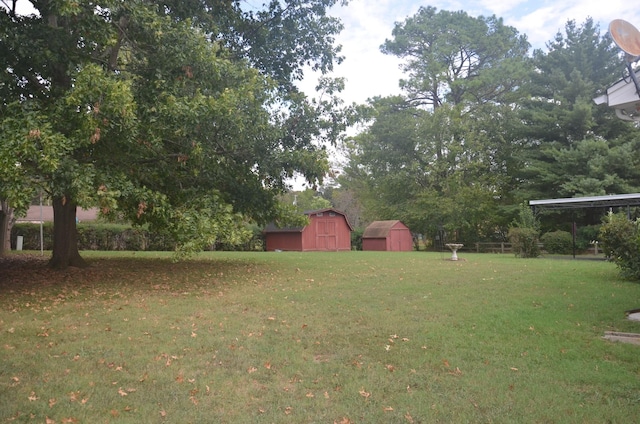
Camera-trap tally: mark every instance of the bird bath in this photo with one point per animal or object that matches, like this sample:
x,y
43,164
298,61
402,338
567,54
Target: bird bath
x,y
454,248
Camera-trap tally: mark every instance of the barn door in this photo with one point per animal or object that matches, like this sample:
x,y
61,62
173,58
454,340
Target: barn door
x,y
326,237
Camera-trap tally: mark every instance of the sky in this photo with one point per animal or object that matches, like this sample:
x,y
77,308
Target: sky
x,y
367,23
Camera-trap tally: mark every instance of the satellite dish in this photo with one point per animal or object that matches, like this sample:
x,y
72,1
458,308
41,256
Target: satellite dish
x,y
626,37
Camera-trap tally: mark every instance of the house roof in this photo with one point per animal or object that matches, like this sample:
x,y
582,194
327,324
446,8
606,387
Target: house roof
x,y
273,228
380,229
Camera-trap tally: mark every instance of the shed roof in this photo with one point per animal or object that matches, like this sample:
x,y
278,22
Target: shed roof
x,y
613,200
273,228
379,229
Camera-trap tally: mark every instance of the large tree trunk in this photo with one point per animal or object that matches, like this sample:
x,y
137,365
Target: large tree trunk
x,y
6,215
65,235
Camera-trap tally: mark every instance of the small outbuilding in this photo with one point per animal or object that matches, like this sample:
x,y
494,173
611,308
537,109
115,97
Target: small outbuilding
x,y
328,230
390,235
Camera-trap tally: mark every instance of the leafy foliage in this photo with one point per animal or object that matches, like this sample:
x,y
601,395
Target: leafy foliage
x,y
560,242
441,156
620,239
178,115
524,235
577,149
454,58
482,127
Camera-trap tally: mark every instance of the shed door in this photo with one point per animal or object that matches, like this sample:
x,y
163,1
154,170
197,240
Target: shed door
x,y
400,240
326,238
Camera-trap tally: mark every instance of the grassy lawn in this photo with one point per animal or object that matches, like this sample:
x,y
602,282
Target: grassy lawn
x,y
354,337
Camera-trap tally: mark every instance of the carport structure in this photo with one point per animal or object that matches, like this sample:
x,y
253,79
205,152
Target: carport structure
x,y
609,201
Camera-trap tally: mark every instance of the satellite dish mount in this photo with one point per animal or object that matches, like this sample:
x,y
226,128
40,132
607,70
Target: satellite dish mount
x,y
627,38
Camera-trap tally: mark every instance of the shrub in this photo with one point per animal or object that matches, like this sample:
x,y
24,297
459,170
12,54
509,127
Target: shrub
x,y
524,234
107,237
620,240
524,242
559,242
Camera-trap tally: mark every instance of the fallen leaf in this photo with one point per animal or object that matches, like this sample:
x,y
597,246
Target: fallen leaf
x,y
364,394
252,370
288,410
49,421
456,372
409,418
387,409
52,402
33,397
122,392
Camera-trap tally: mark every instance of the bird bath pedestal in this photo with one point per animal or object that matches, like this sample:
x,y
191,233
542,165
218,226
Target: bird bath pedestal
x,y
454,248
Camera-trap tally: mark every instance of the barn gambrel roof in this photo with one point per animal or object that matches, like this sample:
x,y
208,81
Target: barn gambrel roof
x,y
273,228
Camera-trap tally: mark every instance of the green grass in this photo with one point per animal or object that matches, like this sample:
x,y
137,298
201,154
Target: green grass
x,y
359,337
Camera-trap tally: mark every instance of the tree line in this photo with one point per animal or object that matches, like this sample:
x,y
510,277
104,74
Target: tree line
x,y
483,125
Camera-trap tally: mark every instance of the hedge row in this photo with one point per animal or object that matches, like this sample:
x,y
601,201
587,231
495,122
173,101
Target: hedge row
x,y
97,236
94,237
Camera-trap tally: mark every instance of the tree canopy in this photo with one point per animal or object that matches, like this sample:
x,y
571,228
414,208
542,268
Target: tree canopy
x,y
181,115
451,57
439,155
482,126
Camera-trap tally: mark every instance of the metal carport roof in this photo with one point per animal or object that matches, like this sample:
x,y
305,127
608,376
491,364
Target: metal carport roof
x,y
612,200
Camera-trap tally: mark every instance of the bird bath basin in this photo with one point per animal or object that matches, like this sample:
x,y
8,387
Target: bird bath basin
x,y
454,249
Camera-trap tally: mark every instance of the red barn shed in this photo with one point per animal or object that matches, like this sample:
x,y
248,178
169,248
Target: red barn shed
x,y
328,230
387,236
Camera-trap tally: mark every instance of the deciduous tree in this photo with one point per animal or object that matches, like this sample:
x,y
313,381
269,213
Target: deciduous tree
x,y
440,156
178,114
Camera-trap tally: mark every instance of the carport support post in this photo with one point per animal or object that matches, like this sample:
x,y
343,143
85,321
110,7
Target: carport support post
x,y
575,231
